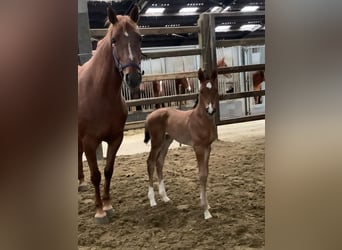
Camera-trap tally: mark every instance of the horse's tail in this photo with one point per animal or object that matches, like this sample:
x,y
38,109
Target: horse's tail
x,y
147,135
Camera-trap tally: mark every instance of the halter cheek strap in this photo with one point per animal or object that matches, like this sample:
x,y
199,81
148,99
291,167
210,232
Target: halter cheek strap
x,y
120,66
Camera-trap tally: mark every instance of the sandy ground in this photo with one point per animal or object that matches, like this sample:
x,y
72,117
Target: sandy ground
x,y
235,192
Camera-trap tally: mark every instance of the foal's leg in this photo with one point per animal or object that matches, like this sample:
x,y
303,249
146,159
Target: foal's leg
x,y
202,156
95,176
151,162
113,147
160,163
82,185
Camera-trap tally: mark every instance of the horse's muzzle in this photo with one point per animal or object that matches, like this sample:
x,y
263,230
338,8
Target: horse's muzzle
x,y
133,79
210,111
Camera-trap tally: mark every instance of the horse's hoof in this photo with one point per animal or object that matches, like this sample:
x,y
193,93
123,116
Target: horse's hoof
x,y
101,220
153,204
83,187
110,213
207,215
165,199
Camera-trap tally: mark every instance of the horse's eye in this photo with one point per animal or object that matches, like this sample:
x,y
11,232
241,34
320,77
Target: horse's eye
x,y
113,40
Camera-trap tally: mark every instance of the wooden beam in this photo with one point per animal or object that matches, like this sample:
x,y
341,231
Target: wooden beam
x,y
238,69
185,97
230,96
171,53
169,30
169,76
223,70
152,31
240,42
239,14
163,99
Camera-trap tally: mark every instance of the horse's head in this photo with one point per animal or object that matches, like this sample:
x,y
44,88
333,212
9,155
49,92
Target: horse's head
x,y
221,63
126,45
208,92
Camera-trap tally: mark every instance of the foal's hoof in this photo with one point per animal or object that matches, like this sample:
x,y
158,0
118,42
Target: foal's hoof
x,y
83,187
207,215
101,220
153,203
110,213
165,199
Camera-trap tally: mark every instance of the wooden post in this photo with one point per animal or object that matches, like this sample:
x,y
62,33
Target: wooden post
x,y
84,45
84,42
207,42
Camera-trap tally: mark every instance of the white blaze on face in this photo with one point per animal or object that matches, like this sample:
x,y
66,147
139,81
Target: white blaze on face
x,y
125,33
210,108
209,86
130,55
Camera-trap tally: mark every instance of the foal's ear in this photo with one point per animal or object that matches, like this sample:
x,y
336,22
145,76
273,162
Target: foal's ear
x,y
134,14
201,76
111,15
213,75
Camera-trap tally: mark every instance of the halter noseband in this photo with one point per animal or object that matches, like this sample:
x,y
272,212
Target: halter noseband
x,y
120,66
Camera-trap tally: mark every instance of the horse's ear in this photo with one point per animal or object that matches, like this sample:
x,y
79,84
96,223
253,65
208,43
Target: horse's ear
x,y
201,76
111,15
214,75
134,14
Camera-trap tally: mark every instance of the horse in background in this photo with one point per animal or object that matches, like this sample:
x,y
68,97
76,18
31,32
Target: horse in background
x,y
195,127
102,111
162,88
258,78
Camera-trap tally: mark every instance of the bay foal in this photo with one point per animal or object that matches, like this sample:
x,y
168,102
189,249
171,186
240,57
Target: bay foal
x,y
195,127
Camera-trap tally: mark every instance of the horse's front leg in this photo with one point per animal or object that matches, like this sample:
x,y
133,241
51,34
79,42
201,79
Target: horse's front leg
x,y
113,147
202,155
90,146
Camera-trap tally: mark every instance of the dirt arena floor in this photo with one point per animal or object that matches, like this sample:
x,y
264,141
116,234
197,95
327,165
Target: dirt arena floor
x,y
236,189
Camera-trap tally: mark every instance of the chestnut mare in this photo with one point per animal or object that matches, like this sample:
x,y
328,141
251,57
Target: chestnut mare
x,y
102,111
258,78
195,127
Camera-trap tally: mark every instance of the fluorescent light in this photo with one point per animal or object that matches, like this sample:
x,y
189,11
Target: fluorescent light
x,y
188,10
222,28
216,9
249,8
250,27
155,10
226,9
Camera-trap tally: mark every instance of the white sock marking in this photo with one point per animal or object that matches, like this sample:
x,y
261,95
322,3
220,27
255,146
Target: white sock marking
x,y
162,192
209,86
150,196
130,52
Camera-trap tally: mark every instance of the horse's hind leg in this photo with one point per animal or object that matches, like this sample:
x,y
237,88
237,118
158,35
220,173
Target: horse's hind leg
x,y
202,156
95,176
160,163
151,162
113,147
82,185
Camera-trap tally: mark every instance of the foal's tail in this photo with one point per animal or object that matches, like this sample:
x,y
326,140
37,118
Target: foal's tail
x,y
147,135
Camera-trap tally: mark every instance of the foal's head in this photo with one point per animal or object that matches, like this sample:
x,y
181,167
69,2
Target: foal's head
x,y
126,44
208,92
